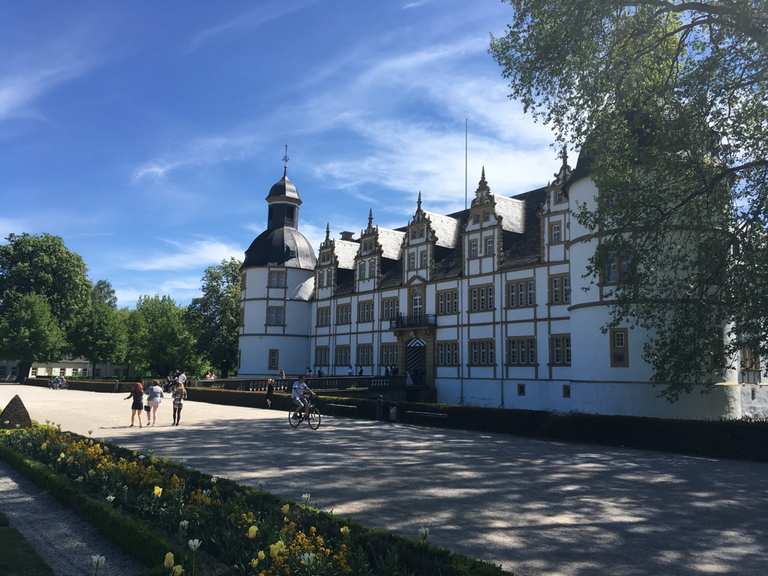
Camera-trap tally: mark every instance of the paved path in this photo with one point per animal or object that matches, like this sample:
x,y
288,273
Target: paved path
x,y
59,535
538,507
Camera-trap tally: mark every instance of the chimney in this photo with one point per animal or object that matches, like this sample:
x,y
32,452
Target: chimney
x,y
346,235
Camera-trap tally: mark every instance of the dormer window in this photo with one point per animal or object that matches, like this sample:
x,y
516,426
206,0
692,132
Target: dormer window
x,y
555,232
486,216
559,195
325,258
361,270
276,279
476,218
417,232
473,249
489,244
372,268
423,259
411,261
368,246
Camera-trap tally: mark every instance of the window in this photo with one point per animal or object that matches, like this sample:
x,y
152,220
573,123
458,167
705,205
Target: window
x,y
364,355
33,372
329,278
560,196
321,356
62,371
368,246
555,232
476,218
447,354
276,279
411,260
489,244
616,268
342,356
447,301
481,298
372,268
619,348
560,350
390,308
486,216
482,352
324,316
274,359
521,351
521,389
423,259
388,355
361,270
321,279
242,316
243,278
275,315
343,313
417,304
325,258
473,249
559,289
521,293
566,391
417,231
365,311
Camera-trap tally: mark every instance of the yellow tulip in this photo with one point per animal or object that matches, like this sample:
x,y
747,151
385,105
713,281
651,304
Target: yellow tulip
x,y
253,531
344,530
261,555
178,570
168,561
254,562
158,491
285,509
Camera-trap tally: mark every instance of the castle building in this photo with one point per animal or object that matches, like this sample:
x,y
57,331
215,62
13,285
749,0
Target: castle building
x,y
488,306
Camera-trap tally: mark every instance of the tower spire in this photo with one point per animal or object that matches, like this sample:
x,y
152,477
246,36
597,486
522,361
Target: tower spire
x,y
418,201
327,231
370,217
285,161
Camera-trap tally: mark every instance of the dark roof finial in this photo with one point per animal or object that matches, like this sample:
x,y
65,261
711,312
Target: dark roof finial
x,y
285,162
370,217
564,155
418,201
327,231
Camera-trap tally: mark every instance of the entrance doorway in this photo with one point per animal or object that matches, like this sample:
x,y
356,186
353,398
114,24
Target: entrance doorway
x,y
416,361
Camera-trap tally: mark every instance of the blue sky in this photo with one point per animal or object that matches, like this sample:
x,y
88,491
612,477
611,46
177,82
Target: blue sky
x,y
147,134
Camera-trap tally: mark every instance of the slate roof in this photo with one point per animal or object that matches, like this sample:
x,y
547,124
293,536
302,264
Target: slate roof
x,y
345,253
446,229
391,241
281,246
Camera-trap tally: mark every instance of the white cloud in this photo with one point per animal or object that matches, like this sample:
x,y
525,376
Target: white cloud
x,y
249,20
180,289
187,255
13,226
415,4
201,151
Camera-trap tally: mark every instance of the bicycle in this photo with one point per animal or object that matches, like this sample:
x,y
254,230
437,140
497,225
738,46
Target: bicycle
x,y
297,415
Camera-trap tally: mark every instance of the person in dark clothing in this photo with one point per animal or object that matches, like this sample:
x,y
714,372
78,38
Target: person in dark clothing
x,y
270,392
179,395
138,401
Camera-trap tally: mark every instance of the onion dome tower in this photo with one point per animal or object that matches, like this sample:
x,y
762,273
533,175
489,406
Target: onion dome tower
x,y
278,283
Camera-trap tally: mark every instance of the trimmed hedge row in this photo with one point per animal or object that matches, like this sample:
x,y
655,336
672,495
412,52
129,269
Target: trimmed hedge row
x,y
395,555
737,439
88,385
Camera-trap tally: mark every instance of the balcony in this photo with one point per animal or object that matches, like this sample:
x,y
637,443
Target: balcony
x,y
404,321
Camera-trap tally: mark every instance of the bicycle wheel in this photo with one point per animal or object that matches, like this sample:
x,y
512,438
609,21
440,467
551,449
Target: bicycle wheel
x,y
314,418
294,418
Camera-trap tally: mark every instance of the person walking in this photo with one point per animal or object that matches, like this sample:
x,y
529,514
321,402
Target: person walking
x,y
270,392
155,397
179,395
138,401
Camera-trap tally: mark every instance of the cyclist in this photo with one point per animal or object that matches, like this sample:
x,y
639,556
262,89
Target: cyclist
x,y
299,392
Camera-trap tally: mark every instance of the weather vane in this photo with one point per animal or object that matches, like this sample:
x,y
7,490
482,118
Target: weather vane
x,y
286,158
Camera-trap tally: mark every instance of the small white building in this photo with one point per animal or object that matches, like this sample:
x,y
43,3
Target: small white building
x,y
490,306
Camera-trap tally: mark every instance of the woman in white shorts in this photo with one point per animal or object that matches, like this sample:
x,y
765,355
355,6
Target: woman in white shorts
x,y
155,397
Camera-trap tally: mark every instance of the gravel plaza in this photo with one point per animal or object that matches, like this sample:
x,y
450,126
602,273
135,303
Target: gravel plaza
x,y
536,507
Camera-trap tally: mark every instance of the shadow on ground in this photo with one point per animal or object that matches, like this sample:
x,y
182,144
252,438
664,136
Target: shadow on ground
x,y
538,507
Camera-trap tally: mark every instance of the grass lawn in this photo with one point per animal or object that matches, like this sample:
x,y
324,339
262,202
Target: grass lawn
x,y
17,558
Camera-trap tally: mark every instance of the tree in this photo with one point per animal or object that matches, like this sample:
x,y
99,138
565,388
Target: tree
x,y
29,332
135,329
168,344
215,317
667,101
103,292
99,334
42,264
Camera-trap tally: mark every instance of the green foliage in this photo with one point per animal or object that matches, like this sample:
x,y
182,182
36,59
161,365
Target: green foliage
x,y
99,334
102,292
18,557
214,318
42,264
667,102
29,332
163,337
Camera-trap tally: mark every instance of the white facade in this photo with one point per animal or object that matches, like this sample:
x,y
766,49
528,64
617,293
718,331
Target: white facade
x,y
491,307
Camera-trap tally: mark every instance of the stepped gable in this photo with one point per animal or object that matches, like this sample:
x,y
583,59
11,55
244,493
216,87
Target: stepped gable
x,y
15,415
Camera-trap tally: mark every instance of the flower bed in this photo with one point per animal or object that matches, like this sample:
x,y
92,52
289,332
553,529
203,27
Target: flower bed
x,y
195,516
